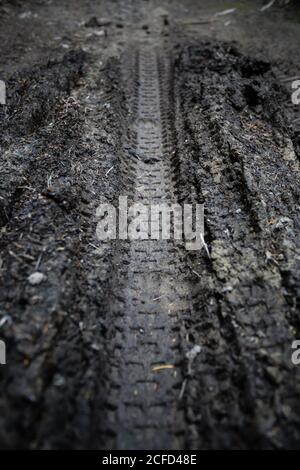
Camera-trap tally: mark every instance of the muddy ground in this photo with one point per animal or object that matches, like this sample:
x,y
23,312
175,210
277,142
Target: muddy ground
x,y
77,83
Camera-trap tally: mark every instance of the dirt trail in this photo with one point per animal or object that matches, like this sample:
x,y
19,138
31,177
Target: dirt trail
x,y
155,102
155,293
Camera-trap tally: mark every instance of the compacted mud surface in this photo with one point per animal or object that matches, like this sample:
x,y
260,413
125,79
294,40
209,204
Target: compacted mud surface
x,y
146,345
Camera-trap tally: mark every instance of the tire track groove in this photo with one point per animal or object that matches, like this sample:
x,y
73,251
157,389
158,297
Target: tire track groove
x,y
147,412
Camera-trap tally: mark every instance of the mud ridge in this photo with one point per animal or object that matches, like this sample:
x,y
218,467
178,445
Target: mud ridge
x,y
237,148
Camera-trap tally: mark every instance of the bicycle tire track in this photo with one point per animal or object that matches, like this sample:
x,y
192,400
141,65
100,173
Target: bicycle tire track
x,y
146,375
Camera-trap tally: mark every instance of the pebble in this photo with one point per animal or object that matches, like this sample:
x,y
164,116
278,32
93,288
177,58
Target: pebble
x,y
192,353
36,278
59,381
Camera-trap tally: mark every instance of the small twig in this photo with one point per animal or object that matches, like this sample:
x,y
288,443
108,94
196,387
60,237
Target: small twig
x,y
225,12
157,298
268,5
162,367
49,180
190,356
107,173
38,262
4,320
184,384
197,274
205,245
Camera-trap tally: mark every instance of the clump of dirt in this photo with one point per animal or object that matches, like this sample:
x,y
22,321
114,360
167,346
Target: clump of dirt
x,y
33,94
34,97
237,153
